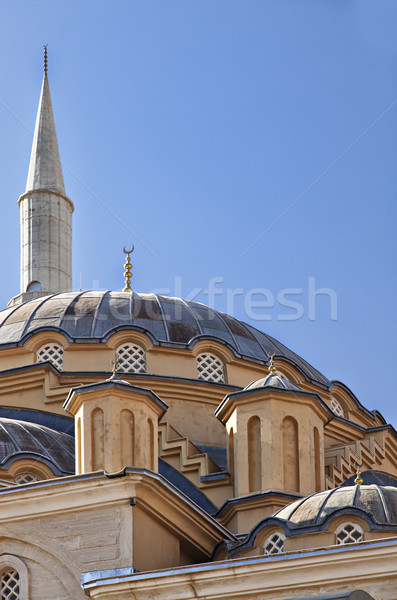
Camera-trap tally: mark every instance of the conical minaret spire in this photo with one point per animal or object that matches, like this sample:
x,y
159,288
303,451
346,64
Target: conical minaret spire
x,y
46,212
45,170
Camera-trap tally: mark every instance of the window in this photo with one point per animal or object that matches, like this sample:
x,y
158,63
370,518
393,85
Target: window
x,y
274,543
14,584
52,353
131,359
25,478
349,533
34,286
9,585
336,407
210,367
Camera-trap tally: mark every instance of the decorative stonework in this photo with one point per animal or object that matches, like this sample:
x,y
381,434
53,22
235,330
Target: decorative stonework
x,y
274,544
9,585
131,358
52,353
349,533
337,407
25,478
210,368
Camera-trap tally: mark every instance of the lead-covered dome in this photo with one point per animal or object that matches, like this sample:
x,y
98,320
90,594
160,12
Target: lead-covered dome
x,y
379,502
94,316
273,380
21,439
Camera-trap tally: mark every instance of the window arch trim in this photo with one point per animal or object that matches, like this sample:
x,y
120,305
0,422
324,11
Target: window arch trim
x,y
9,562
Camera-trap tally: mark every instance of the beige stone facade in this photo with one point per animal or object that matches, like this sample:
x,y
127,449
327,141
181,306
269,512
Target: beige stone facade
x,y
196,467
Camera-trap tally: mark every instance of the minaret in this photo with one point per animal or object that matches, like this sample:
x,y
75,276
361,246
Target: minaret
x,y
46,212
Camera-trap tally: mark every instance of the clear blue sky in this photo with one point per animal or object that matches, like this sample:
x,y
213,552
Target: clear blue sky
x,y
190,127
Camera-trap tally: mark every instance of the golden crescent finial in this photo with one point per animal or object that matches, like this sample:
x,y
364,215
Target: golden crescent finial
x,y
272,368
128,269
359,480
115,364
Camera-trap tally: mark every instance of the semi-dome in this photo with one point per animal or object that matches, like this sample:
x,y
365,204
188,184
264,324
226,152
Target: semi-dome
x,y
95,315
379,502
21,439
273,380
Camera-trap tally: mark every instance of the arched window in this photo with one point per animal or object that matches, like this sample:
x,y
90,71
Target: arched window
x,y
131,358
9,585
336,407
21,478
317,458
290,440
52,353
14,584
254,454
34,286
210,367
274,544
349,533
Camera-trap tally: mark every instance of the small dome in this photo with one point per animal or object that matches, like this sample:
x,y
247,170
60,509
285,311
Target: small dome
x,y
379,502
275,380
20,439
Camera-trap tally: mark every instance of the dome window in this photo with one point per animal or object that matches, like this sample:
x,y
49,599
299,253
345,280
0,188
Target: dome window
x,y
9,585
210,368
274,543
52,353
131,359
25,478
349,533
336,408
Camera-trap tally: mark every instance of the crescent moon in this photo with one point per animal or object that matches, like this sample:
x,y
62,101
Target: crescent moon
x,y
128,251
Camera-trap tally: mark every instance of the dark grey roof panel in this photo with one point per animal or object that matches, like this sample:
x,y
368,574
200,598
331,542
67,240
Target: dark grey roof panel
x,y
49,313
179,320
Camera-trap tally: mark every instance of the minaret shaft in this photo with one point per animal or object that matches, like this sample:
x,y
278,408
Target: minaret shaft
x,y
45,213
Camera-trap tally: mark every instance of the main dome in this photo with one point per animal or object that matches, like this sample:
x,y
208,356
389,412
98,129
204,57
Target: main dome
x,y
93,316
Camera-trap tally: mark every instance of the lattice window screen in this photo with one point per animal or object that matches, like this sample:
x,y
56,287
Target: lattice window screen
x,y
337,408
9,585
210,367
349,533
51,352
25,478
274,544
131,359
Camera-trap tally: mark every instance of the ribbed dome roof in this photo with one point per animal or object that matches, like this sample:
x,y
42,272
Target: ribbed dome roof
x,y
94,316
379,501
20,439
275,380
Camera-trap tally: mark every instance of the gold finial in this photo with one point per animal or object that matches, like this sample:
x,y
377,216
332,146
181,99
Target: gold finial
x,y
128,269
272,368
359,480
45,60
116,364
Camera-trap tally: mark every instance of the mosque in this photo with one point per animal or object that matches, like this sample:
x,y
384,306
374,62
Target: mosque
x,y
155,448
